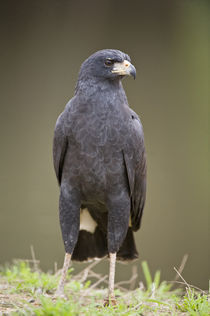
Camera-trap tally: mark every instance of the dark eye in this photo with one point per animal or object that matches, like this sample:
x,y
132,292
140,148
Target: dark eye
x,y
109,62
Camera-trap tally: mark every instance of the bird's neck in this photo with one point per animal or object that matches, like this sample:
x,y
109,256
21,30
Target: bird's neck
x,y
93,90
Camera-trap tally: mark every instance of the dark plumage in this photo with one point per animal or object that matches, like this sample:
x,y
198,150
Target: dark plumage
x,y
99,160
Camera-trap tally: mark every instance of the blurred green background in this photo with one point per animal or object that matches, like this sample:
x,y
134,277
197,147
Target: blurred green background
x,y
43,44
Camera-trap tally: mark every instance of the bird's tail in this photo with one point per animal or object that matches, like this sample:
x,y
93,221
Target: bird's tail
x,y
128,249
90,245
94,245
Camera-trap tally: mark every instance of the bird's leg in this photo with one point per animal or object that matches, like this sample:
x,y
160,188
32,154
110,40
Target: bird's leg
x,y
111,297
111,274
69,214
60,289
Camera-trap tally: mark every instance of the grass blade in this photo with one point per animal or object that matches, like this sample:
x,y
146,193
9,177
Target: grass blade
x,y
147,274
157,279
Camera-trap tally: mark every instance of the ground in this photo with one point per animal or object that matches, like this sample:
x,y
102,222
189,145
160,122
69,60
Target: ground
x,y
26,290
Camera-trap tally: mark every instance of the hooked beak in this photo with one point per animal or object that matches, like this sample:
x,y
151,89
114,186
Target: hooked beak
x,y
124,68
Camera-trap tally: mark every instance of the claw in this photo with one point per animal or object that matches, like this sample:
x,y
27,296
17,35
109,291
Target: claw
x,y
110,301
60,294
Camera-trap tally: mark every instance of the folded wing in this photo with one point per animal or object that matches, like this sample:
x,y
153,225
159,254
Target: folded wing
x,y
135,162
59,147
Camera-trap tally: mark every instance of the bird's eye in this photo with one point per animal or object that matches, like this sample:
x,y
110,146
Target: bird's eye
x,y
109,62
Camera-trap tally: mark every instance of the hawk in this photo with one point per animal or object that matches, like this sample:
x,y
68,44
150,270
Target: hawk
x,y
100,164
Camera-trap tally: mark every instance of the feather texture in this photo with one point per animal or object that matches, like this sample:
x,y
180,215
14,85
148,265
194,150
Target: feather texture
x,y
100,164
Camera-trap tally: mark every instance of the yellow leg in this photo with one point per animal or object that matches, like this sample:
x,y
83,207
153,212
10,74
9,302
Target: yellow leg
x,y
60,289
111,297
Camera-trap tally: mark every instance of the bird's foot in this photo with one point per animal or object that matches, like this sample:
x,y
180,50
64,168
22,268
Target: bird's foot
x,y
110,301
60,294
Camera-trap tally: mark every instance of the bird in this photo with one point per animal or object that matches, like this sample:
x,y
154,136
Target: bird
x,y
100,163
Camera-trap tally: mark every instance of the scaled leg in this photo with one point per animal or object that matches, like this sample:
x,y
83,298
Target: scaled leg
x,y
60,289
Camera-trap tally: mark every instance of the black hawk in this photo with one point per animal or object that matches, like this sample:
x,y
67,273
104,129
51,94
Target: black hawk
x,y
100,164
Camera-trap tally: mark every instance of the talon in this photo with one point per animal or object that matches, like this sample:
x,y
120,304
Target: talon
x,y
60,294
110,301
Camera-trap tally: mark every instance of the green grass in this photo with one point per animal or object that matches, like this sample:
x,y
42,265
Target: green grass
x,y
27,291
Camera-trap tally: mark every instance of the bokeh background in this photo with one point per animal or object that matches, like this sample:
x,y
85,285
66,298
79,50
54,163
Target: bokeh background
x,y
43,44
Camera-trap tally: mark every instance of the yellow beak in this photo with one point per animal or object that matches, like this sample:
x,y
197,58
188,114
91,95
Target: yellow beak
x,y
124,68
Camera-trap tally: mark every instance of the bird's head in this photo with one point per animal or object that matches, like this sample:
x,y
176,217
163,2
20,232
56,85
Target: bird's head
x,y
107,64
